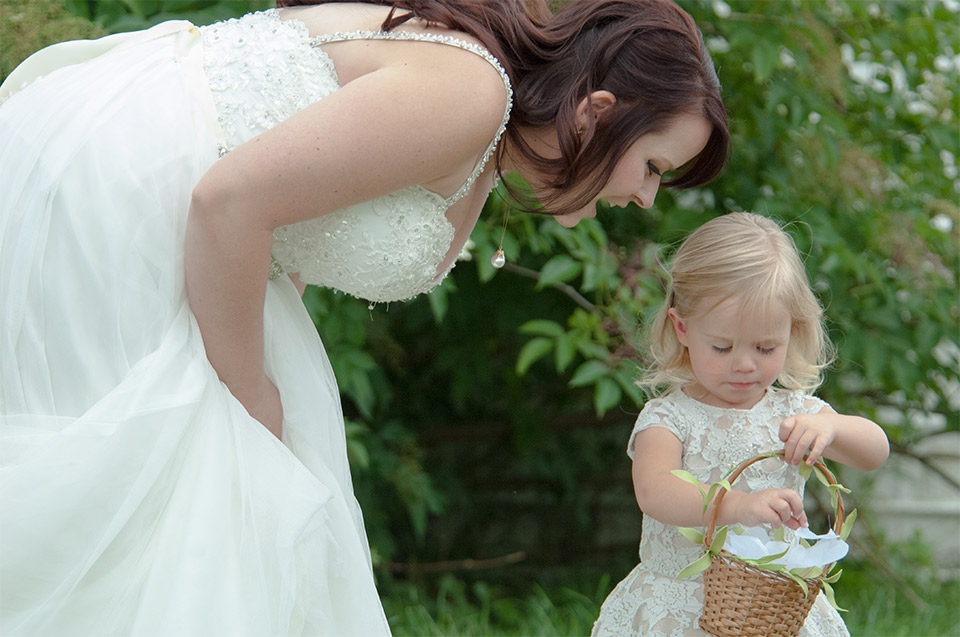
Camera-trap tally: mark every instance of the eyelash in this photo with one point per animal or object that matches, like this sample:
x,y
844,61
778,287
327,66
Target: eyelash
x,y
653,169
762,350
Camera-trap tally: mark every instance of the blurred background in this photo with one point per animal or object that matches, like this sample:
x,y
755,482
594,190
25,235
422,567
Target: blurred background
x,y
487,422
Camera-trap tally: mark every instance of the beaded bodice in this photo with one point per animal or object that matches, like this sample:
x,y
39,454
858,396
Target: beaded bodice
x,y
262,70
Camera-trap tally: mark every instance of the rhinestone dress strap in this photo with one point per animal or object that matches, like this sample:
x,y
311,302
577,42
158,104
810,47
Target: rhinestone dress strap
x,y
441,39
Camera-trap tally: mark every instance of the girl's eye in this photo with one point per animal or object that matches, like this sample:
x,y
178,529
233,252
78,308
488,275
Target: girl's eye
x,y
653,169
721,350
766,350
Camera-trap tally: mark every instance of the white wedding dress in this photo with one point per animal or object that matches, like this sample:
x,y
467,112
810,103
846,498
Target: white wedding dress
x,y
137,496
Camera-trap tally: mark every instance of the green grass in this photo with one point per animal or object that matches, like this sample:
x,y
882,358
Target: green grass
x,y
454,606
451,606
879,607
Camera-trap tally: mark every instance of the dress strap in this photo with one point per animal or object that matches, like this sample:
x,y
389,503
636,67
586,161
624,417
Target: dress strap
x,y
440,39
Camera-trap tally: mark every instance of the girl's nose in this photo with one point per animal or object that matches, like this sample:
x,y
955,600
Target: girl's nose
x,y
744,363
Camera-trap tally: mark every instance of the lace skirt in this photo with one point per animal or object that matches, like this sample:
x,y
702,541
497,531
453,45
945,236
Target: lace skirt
x,y
137,496
649,604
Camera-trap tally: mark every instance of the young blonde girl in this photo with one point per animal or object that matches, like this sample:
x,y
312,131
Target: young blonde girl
x,y
737,349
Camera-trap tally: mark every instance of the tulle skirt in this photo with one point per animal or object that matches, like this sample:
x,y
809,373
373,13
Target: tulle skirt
x,y
137,496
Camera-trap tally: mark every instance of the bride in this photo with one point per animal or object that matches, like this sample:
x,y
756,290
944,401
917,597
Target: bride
x,y
172,453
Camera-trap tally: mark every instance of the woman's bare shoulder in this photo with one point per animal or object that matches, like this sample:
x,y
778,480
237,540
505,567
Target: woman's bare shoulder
x,y
462,82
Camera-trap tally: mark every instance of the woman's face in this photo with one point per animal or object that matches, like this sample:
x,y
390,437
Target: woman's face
x,y
636,177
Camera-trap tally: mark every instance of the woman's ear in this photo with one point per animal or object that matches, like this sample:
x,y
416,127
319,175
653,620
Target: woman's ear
x,y
594,105
679,327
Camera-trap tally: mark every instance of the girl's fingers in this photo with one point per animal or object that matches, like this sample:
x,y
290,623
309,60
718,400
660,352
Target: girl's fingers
x,y
786,427
818,446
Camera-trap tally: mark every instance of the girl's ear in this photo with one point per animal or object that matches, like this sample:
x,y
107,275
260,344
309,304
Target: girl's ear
x,y
679,327
599,102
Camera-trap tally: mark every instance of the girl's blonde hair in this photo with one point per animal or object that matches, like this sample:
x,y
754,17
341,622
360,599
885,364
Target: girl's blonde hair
x,y
749,258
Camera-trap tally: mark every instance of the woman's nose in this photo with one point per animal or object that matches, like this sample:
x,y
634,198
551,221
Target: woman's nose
x,y
648,192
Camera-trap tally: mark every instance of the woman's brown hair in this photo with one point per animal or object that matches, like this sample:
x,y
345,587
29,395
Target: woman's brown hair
x,y
648,53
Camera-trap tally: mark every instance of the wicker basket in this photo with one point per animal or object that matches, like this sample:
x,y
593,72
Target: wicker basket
x,y
741,599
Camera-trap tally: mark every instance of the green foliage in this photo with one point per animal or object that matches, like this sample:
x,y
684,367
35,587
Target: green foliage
x,y
511,393
453,606
879,605
29,25
129,15
464,607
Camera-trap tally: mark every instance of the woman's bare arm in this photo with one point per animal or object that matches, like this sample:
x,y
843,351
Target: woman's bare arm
x,y
412,122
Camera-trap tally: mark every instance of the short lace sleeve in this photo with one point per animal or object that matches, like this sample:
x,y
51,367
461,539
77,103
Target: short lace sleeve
x,y
659,412
801,403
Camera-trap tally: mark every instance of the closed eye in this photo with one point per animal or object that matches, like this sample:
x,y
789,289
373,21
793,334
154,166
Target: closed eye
x,y
766,350
721,350
653,169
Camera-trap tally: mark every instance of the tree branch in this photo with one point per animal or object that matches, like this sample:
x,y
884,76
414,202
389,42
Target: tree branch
x,y
898,448
468,564
569,290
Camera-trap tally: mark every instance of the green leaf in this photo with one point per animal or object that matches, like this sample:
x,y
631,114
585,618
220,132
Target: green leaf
x,y
589,373
848,525
606,394
361,390
833,578
686,476
625,374
541,327
779,534
767,559
718,540
835,490
533,350
439,302
808,573
828,591
765,55
697,567
821,476
564,352
693,535
805,471
712,491
559,269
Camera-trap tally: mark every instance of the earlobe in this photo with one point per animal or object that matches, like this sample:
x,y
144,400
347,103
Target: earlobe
x,y
679,327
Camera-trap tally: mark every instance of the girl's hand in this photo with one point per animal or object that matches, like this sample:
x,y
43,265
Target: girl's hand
x,y
806,434
770,506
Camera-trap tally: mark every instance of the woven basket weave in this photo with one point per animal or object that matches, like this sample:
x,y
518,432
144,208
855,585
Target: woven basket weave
x,y
741,599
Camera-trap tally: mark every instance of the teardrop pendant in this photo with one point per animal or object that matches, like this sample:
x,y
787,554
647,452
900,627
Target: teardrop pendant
x,y
498,259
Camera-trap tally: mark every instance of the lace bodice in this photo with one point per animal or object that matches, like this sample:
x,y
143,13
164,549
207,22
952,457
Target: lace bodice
x,y
650,601
716,440
262,70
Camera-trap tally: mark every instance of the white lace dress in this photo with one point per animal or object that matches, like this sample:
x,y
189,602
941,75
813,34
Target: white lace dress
x,y
137,496
651,601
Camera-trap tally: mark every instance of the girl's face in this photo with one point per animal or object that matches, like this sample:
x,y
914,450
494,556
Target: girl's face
x,y
636,177
734,357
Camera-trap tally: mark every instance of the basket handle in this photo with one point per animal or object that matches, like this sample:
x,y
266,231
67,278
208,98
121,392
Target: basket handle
x,y
718,498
